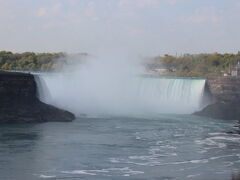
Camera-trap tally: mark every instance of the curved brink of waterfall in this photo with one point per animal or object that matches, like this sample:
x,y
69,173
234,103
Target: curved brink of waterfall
x,y
139,96
43,92
169,95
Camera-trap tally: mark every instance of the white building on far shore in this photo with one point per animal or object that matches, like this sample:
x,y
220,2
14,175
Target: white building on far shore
x,y
235,71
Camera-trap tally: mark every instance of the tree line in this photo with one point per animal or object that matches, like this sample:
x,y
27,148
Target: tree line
x,y
31,61
194,65
191,65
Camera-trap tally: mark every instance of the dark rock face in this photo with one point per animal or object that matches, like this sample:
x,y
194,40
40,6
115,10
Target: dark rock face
x,y
226,94
19,102
221,110
226,89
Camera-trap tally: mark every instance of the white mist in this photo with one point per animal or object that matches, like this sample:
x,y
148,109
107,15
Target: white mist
x,y
112,86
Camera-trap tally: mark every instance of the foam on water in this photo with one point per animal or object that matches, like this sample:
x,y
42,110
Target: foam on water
x,y
126,171
46,176
186,147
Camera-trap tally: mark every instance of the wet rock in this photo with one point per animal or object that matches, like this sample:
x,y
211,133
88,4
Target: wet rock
x,y
19,102
225,89
221,110
225,92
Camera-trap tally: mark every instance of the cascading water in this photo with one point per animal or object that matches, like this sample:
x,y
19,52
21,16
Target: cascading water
x,y
42,90
138,96
143,145
169,95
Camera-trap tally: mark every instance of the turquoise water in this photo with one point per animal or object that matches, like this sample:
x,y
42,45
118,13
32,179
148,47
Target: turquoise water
x,y
176,147
125,131
135,96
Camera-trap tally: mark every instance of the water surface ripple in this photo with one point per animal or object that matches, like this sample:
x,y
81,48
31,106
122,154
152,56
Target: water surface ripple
x,y
163,148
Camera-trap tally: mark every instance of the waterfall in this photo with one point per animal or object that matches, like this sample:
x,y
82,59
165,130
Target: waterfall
x,y
172,95
135,96
43,92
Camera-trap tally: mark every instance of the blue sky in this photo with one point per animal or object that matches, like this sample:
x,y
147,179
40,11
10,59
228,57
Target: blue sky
x,y
143,27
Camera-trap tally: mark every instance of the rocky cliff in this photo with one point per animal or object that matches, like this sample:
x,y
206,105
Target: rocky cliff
x,y
19,102
225,89
225,92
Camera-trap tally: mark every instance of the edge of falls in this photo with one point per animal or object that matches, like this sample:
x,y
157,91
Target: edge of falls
x,y
135,96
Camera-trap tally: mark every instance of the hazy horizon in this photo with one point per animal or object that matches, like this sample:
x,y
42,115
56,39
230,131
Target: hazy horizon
x,y
140,27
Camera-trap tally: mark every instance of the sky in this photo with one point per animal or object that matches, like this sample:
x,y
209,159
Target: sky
x,y
143,27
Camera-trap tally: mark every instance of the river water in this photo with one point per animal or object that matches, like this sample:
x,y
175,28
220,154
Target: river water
x,y
165,147
123,133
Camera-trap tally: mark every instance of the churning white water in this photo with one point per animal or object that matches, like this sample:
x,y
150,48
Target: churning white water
x,y
113,86
138,96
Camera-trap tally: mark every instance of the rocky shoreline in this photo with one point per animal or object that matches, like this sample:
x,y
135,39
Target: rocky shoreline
x,y
20,104
221,110
225,92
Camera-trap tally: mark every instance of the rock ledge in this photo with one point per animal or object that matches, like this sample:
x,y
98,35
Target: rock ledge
x,y
19,102
225,92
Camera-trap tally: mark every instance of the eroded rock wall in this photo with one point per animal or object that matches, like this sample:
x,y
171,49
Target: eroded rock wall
x,y
19,102
226,94
17,87
225,89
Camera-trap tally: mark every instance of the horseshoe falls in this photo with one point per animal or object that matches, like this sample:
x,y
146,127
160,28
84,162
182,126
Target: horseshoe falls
x,y
126,128
169,95
138,96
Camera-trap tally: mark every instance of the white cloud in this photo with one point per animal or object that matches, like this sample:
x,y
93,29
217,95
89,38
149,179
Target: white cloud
x,y
53,24
127,9
124,14
203,15
173,2
156,22
7,9
41,12
145,3
90,11
56,7
49,12
237,4
51,16
136,3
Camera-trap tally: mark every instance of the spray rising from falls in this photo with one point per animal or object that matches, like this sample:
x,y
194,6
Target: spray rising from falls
x,y
103,89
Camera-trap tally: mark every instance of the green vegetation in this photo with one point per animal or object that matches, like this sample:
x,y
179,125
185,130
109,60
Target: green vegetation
x,y
198,65
30,61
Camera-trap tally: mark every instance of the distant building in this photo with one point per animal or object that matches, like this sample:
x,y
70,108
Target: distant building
x,y
226,74
235,71
161,70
